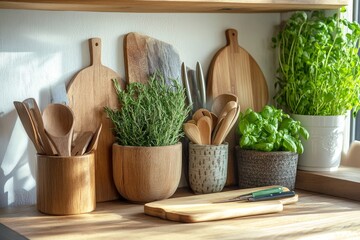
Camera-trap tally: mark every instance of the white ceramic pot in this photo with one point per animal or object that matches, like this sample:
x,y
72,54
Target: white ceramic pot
x,y
322,151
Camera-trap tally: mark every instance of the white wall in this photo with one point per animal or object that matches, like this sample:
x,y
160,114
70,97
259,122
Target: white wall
x,y
40,49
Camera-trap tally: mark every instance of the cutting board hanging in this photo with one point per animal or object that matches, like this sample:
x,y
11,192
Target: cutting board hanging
x,y
201,208
234,70
89,92
144,55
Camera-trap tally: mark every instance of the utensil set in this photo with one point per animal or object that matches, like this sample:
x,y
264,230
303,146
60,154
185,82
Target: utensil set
x,y
52,133
207,127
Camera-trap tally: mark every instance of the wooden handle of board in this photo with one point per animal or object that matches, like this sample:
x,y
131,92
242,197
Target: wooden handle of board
x,y
232,38
95,51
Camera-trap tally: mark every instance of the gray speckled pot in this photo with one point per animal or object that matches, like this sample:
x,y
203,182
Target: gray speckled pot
x,y
207,167
256,168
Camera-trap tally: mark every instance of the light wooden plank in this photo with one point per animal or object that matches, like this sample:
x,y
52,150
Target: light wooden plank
x,y
229,6
345,182
315,216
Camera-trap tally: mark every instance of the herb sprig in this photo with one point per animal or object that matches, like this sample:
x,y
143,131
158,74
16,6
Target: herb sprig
x,y
270,130
151,114
319,66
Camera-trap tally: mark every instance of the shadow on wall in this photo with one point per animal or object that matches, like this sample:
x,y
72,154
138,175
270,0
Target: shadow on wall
x,y
18,163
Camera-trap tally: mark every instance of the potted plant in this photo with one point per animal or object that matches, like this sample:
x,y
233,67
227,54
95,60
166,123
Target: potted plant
x,y
147,155
319,81
268,150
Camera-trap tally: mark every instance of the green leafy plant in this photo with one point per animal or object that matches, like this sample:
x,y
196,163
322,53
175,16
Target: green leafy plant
x,y
151,114
319,66
270,130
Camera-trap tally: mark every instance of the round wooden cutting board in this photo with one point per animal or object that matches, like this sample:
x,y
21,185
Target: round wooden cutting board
x,y
89,92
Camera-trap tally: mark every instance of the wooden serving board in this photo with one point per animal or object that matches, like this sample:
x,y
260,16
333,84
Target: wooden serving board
x,y
234,70
89,92
144,55
200,208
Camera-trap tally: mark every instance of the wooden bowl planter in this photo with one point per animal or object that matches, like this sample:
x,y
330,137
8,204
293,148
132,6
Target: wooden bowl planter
x,y
256,168
145,174
66,185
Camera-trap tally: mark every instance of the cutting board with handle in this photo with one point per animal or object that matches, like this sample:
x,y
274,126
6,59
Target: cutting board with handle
x,y
234,70
144,55
201,208
89,92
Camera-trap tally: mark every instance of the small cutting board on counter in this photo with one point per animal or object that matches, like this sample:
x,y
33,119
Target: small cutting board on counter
x,y
144,55
89,92
201,208
234,70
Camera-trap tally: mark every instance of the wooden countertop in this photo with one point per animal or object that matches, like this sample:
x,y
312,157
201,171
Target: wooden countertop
x,y
315,216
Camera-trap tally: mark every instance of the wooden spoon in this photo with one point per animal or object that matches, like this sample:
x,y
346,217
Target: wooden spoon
x,y
94,141
204,125
81,143
35,114
220,102
227,108
200,113
59,126
234,120
224,127
28,124
192,132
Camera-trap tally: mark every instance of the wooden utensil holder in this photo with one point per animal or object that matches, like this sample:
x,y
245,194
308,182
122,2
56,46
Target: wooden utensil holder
x,y
66,185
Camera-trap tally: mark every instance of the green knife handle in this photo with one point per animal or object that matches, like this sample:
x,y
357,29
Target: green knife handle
x,y
267,192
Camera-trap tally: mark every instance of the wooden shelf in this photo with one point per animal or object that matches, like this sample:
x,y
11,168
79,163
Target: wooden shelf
x,y
212,6
345,182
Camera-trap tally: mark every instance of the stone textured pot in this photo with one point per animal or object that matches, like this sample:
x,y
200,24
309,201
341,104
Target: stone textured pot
x,y
146,174
322,151
257,169
207,167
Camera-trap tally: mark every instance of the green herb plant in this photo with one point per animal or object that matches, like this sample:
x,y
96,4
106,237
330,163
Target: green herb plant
x,y
270,130
319,66
151,114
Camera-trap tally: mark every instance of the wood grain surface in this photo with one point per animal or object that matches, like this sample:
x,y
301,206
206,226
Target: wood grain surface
x,y
235,6
200,208
144,174
234,70
345,182
89,92
66,185
314,216
144,55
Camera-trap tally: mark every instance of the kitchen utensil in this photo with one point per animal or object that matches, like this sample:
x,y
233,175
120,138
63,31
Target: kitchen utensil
x,y
144,55
81,143
225,124
234,70
35,113
185,80
226,109
204,125
89,92
273,196
200,208
202,86
94,141
192,132
200,113
220,101
28,125
255,194
59,126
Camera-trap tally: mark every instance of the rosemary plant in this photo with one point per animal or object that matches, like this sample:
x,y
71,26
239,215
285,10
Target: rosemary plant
x,y
151,114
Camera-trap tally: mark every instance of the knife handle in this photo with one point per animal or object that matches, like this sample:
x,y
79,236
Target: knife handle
x,y
273,196
266,192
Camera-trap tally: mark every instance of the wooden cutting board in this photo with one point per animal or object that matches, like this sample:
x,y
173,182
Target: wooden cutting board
x,y
89,92
144,55
234,70
200,208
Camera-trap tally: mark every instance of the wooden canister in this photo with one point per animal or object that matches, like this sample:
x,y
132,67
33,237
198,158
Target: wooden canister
x,y
66,185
